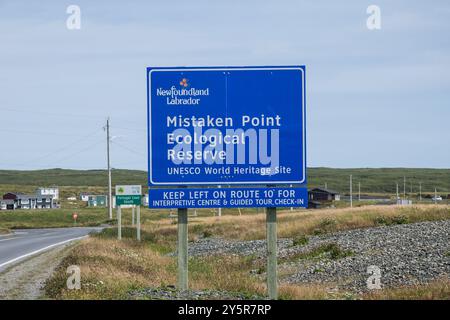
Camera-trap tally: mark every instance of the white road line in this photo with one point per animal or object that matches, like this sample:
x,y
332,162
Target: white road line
x,y
10,239
40,250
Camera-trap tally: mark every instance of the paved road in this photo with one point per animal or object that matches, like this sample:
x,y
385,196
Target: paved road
x,y
25,243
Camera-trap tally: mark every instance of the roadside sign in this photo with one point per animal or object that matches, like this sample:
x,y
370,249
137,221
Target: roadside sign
x,y
227,197
226,125
128,195
128,200
129,190
75,216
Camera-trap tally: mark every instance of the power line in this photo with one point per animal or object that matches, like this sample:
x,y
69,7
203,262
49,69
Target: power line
x,y
129,149
130,129
54,163
55,114
38,132
79,151
144,124
69,145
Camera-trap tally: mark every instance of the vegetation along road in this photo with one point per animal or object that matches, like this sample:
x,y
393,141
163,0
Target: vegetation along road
x,y
323,254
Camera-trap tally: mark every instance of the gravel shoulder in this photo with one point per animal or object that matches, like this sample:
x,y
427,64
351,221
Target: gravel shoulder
x,y
25,280
406,254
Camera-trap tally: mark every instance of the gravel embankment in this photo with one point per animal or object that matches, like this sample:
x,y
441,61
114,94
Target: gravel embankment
x,y
406,254
170,293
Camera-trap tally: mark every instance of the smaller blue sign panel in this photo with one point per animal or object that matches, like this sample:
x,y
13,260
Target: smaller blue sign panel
x,y
228,197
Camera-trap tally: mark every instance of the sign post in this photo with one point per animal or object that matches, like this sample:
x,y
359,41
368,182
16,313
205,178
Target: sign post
x,y
75,217
119,222
183,249
128,195
239,126
272,278
138,223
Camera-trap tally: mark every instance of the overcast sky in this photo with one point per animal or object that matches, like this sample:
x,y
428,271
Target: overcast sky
x,y
375,98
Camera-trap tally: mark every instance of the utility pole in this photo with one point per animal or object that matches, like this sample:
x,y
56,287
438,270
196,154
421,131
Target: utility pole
x,y
351,193
435,196
359,191
397,194
326,185
420,191
404,188
109,171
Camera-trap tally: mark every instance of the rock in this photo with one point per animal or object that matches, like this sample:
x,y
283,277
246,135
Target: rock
x,y
406,254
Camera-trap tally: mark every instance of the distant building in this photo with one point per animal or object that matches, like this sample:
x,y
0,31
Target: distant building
x,y
84,196
322,197
145,200
6,204
12,201
97,201
322,194
51,191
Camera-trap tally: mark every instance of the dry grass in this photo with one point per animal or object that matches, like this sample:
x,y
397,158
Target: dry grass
x,y
303,292
305,222
437,290
110,269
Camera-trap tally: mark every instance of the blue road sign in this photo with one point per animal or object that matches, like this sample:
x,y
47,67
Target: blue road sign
x,y
227,197
226,125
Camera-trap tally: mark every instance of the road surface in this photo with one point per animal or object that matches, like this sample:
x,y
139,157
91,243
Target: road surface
x,y
25,243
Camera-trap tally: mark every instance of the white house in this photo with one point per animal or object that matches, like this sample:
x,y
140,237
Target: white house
x,y
52,191
12,201
85,196
145,200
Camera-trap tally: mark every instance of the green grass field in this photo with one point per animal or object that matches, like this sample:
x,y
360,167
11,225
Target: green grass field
x,y
373,181
55,218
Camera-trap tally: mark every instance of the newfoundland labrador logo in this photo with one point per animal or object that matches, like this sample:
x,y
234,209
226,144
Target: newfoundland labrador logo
x,y
184,82
185,95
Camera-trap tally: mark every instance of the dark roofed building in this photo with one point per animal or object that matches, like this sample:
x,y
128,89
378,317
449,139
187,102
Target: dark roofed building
x,y
320,197
322,194
10,196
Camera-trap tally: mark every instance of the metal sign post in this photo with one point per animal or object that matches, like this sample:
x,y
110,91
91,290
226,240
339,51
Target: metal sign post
x,y
119,222
129,195
138,223
272,277
183,249
220,209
